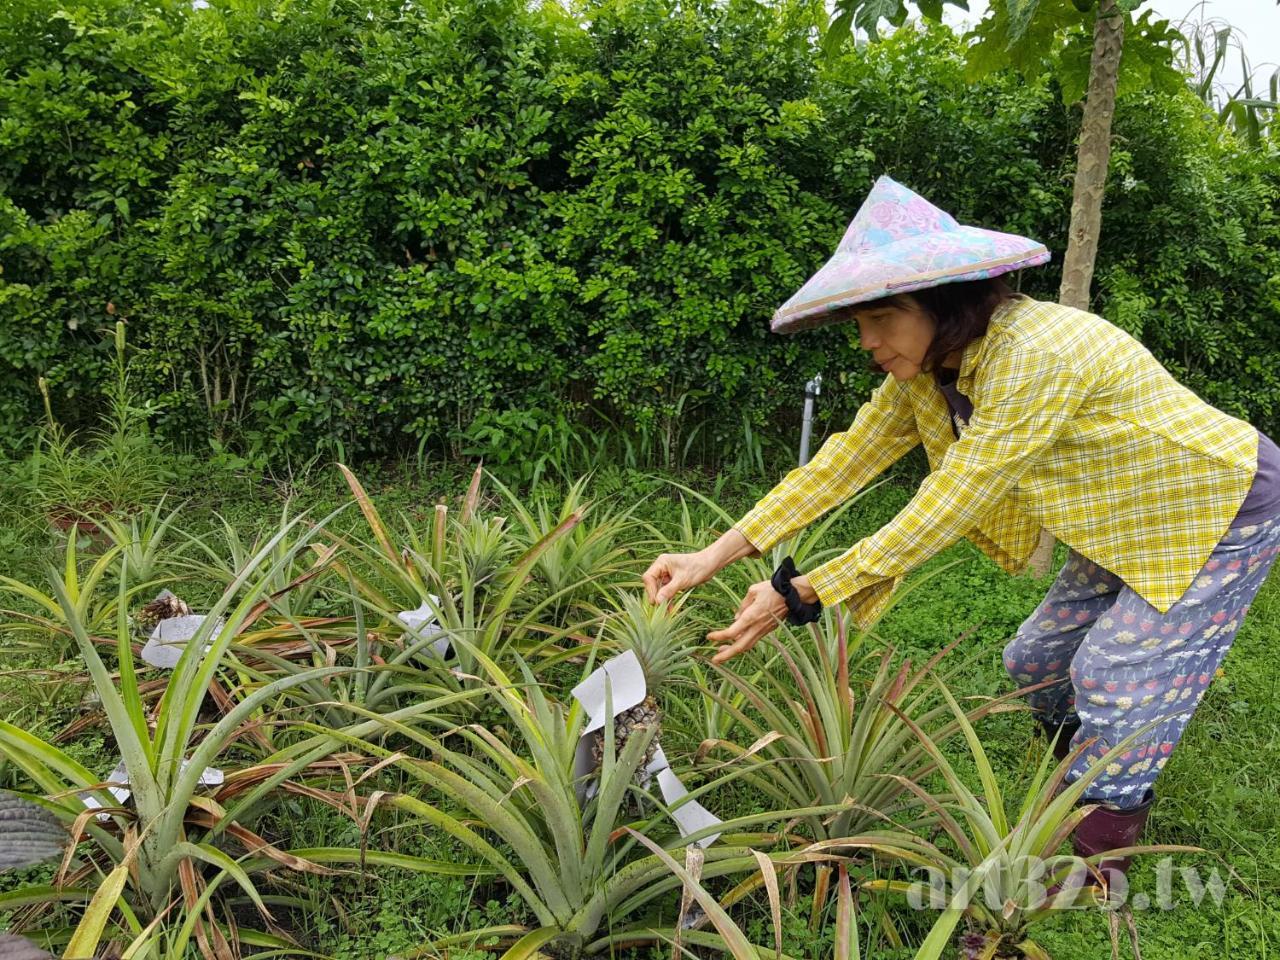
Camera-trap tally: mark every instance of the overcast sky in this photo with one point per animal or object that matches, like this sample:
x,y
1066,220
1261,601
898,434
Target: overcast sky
x,y
1257,24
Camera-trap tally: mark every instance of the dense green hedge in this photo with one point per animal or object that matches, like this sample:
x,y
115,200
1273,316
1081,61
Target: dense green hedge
x,y
378,224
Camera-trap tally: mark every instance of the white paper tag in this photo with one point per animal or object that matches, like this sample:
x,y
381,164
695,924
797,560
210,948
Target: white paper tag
x,y
422,624
119,778
169,638
621,674
690,816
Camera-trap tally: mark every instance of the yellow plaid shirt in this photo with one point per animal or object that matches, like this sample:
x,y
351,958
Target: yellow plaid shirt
x,y
1076,427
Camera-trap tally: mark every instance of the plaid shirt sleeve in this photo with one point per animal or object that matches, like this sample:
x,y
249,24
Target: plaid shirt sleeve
x,y
881,433
1021,402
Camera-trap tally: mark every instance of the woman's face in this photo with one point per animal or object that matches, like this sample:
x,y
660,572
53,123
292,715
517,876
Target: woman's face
x,y
897,337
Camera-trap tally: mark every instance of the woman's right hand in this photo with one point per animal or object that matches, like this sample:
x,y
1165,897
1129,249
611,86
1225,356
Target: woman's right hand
x,y
673,573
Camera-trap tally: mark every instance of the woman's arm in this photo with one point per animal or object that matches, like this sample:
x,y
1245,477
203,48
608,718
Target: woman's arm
x,y
882,432
673,573
1026,400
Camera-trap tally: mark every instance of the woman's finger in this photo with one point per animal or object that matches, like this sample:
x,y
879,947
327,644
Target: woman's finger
x,y
746,637
726,634
730,651
674,584
654,578
749,621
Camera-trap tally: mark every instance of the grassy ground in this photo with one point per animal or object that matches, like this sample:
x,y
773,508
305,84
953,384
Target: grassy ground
x,y
1219,791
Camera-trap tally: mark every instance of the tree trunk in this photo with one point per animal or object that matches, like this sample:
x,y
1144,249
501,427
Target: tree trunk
x,y
1092,157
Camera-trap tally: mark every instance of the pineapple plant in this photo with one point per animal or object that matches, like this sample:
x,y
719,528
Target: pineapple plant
x,y
662,638
487,548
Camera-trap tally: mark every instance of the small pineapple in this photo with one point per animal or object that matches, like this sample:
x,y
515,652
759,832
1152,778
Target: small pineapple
x,y
645,713
486,548
661,639
163,607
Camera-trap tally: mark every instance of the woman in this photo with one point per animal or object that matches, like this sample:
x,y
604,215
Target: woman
x,y
1032,415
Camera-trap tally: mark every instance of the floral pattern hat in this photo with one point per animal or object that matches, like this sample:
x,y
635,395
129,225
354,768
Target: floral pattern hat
x,y
897,243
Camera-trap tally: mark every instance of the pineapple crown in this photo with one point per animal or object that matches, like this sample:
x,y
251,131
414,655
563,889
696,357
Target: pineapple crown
x,y
660,636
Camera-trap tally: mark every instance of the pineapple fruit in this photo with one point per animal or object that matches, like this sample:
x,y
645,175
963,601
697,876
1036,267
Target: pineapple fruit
x,y
662,638
163,607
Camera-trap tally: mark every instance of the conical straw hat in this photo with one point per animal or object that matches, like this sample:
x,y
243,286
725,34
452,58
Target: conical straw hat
x,y
897,243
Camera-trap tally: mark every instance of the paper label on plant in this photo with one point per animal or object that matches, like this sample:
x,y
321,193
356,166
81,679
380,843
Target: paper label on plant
x,y
690,816
119,778
423,625
169,639
622,678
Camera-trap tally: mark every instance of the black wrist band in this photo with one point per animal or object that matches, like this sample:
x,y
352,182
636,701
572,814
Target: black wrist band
x,y
798,612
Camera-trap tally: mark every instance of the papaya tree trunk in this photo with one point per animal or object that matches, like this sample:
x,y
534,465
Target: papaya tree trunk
x,y
1092,157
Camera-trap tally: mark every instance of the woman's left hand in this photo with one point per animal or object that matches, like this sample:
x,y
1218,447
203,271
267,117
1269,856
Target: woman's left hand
x,y
759,614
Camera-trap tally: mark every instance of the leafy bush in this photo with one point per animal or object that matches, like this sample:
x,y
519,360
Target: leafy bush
x,y
345,230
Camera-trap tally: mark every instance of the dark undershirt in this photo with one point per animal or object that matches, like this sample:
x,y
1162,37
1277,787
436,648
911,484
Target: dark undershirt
x,y
1262,502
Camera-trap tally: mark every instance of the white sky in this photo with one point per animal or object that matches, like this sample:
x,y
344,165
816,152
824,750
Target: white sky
x,y
1256,23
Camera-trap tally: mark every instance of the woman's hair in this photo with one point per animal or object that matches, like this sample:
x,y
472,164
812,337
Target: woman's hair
x,y
960,312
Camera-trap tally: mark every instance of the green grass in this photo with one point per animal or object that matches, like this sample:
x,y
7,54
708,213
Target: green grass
x,y
1221,789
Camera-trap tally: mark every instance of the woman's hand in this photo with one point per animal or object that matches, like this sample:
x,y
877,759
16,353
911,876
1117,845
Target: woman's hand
x,y
759,614
673,573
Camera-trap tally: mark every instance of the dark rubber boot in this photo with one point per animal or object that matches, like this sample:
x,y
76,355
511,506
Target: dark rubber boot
x,y
1107,828
1063,732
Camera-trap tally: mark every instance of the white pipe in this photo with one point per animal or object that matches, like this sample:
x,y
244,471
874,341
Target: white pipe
x,y
811,391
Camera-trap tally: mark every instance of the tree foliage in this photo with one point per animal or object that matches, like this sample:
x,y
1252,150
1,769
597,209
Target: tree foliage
x,y
365,228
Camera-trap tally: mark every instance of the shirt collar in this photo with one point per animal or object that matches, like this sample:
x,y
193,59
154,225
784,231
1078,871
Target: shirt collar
x,y
973,351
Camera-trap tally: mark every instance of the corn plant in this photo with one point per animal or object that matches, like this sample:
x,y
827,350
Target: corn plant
x,y
1012,860
169,831
1201,50
514,801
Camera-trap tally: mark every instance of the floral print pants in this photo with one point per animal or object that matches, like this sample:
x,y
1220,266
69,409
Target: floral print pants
x,y
1129,664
